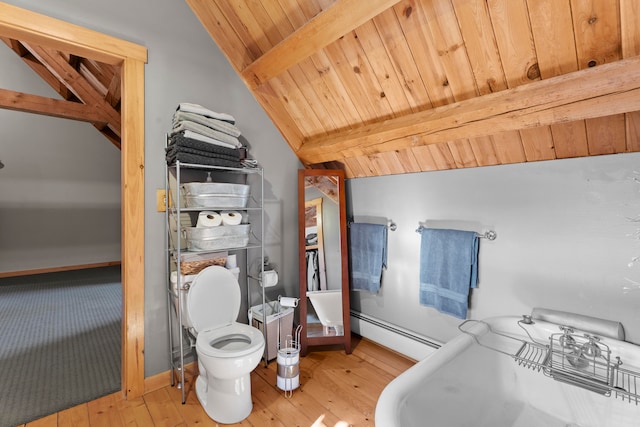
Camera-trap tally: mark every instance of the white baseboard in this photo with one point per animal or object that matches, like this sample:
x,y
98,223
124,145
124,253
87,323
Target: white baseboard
x,y
391,336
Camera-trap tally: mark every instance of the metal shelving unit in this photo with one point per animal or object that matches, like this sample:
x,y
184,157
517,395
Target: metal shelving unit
x,y
253,253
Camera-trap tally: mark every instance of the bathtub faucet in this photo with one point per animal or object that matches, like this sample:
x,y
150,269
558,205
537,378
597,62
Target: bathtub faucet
x,y
566,340
591,349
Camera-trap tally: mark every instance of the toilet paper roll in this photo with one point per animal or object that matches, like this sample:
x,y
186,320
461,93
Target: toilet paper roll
x,y
231,262
208,219
269,278
288,301
231,218
235,271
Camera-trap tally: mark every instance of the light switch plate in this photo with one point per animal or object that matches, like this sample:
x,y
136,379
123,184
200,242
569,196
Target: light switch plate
x,y
161,203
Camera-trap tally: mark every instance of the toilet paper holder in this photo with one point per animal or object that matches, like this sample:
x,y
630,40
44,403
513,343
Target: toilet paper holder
x,y
268,278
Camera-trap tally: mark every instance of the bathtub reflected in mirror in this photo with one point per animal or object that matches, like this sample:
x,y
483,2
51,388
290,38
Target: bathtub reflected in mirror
x,y
324,287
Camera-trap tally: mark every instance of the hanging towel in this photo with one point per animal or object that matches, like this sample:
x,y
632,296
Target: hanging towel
x,y
368,255
448,268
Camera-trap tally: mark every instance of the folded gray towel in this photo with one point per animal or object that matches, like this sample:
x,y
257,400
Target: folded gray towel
x,y
202,160
185,125
181,140
214,124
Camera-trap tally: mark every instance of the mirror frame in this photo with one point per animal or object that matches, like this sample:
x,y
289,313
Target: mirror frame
x,y
345,339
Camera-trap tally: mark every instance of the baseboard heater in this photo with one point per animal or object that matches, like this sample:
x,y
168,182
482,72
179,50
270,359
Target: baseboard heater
x,y
402,340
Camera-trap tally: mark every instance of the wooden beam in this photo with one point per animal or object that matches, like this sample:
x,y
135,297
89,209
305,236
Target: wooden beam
x,y
133,228
27,26
325,28
33,63
76,83
27,103
594,92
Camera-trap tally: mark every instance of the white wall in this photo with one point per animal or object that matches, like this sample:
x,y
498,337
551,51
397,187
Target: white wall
x,y
564,239
60,187
185,65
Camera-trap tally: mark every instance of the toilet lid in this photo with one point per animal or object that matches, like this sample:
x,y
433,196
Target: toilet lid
x,y
213,299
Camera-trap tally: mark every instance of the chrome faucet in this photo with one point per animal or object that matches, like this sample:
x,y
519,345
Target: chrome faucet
x,y
566,340
591,349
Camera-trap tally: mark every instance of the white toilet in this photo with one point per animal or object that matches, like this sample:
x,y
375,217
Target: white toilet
x,y
227,350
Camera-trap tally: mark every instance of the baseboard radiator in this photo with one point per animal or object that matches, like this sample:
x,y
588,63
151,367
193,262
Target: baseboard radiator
x,y
402,340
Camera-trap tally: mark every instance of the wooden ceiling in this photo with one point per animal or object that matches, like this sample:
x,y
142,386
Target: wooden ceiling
x,y
90,89
381,87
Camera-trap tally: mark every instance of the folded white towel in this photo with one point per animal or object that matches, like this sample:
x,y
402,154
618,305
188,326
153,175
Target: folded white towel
x,y
214,124
199,109
185,125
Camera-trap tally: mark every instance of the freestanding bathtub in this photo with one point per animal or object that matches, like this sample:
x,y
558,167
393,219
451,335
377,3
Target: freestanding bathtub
x,y
328,307
497,374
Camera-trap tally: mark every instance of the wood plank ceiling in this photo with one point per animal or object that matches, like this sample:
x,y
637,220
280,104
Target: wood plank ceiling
x,y
383,87
90,89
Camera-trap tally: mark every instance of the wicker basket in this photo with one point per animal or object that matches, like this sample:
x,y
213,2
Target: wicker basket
x,y
195,267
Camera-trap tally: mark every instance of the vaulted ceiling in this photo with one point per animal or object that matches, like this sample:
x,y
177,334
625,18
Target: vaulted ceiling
x,y
381,87
89,89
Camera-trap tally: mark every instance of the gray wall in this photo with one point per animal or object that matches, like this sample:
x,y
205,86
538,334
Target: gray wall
x,y
565,239
185,65
60,187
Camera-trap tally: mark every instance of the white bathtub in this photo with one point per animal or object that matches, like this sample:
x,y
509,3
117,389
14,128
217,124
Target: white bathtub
x,y
465,383
328,307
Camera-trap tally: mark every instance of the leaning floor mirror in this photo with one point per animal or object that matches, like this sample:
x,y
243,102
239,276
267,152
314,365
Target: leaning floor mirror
x,y
324,269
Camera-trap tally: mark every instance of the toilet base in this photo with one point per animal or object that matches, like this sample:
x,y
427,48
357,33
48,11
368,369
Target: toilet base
x,y
227,401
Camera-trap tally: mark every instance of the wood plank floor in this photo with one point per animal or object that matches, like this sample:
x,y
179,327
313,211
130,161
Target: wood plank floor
x,y
335,388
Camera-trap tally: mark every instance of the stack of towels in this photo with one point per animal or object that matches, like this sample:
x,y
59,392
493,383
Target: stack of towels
x,y
206,137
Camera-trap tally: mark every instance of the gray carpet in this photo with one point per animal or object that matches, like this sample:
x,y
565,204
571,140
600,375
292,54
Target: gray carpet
x,y
60,341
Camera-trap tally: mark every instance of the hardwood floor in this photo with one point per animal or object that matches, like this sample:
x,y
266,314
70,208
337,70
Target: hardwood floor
x,y
334,387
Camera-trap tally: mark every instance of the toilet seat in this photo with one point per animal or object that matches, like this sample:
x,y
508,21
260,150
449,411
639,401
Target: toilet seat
x,y
213,299
230,341
213,304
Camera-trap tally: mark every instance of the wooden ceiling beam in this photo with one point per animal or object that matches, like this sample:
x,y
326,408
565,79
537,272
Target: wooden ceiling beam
x,y
66,37
32,62
594,92
325,28
77,84
113,90
27,103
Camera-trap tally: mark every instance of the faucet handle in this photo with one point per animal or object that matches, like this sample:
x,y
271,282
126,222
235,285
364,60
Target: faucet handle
x,y
592,338
591,349
566,329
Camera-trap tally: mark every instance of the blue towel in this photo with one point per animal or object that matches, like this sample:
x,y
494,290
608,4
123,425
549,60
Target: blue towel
x,y
448,268
368,254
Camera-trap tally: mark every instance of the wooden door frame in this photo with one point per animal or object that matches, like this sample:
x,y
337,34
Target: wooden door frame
x,y
22,24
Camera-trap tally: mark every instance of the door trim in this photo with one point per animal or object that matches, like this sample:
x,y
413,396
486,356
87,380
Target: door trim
x,y
22,24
